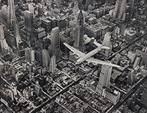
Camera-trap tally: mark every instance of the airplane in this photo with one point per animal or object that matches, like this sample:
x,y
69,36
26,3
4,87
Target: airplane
x,y
87,57
87,40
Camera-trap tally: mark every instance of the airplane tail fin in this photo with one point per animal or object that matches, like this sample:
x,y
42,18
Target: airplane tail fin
x,y
100,45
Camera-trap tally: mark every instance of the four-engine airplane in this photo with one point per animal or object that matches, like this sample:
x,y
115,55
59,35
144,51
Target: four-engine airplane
x,y
88,57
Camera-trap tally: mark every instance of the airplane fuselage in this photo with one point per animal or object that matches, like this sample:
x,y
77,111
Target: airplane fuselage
x,y
88,55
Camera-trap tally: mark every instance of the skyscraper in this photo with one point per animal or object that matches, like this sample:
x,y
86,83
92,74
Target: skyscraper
x,y
120,9
3,44
132,3
12,21
105,75
17,35
28,54
11,12
4,14
45,58
53,65
107,43
104,80
32,56
116,9
28,16
1,37
55,43
31,8
79,32
122,14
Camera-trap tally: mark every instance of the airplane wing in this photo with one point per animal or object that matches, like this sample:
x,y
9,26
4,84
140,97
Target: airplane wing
x,y
96,61
74,50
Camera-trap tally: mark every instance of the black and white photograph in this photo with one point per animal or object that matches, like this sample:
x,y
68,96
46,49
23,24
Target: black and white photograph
x,y
73,56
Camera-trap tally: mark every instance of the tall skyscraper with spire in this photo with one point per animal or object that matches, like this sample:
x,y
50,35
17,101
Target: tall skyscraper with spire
x,y
79,32
12,21
11,12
